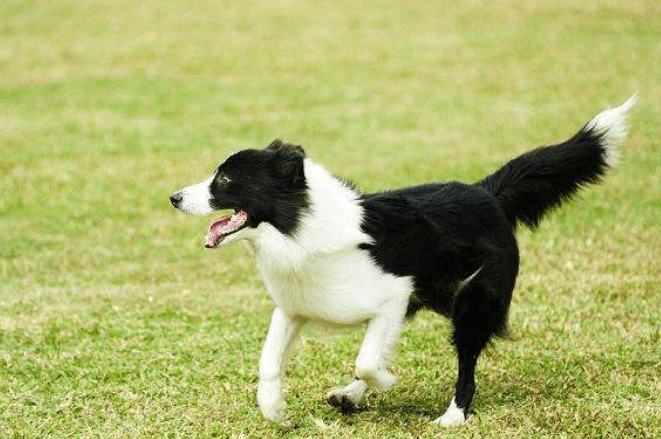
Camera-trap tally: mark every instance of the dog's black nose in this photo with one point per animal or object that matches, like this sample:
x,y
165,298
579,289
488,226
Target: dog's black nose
x,y
175,199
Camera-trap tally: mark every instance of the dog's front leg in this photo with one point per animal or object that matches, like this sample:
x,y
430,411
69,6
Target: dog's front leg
x,y
373,359
277,348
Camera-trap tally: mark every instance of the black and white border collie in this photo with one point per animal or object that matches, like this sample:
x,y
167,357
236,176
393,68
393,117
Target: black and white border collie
x,y
332,254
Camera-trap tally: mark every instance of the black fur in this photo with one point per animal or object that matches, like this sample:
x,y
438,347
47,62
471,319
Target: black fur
x,y
442,234
280,196
539,180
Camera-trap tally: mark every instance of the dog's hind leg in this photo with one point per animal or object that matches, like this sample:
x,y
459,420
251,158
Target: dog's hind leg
x,y
457,412
479,312
373,359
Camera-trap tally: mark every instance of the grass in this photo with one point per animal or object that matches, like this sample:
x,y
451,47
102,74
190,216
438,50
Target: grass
x,y
114,322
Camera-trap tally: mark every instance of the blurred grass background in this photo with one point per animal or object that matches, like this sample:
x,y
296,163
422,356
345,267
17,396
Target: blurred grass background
x,y
115,322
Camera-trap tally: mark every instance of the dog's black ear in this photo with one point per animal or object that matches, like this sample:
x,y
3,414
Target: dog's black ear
x,y
278,145
288,161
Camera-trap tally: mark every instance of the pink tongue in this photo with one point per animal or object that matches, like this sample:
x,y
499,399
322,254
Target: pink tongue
x,y
225,226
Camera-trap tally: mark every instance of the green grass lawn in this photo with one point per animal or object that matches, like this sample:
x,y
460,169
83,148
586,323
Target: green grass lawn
x,y
115,322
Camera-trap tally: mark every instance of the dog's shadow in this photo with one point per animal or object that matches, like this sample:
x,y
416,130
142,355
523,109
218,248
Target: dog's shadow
x,y
408,405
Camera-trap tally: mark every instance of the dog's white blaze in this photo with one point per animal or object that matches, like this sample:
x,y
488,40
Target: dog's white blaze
x,y
611,125
195,198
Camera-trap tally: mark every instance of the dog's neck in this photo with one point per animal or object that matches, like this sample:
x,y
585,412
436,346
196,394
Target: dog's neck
x,y
334,212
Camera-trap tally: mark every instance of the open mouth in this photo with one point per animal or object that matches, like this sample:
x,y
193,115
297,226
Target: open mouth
x,y
225,226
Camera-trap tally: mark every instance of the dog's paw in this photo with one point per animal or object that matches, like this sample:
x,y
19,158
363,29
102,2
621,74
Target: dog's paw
x,y
452,416
271,400
348,398
342,401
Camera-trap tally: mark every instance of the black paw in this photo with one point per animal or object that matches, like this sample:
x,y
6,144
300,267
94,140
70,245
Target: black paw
x,y
343,403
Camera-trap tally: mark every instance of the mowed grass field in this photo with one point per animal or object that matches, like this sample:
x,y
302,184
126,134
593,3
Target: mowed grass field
x,y
116,322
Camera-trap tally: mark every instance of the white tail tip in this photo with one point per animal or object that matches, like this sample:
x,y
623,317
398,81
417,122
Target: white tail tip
x,y
610,124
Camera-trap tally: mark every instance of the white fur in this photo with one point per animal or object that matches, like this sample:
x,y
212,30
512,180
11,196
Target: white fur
x,y
195,198
328,281
452,416
611,125
277,348
464,283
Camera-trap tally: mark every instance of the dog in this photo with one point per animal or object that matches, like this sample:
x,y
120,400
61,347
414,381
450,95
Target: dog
x,y
331,254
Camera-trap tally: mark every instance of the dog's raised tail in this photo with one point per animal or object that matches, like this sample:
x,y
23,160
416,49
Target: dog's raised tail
x,y
532,184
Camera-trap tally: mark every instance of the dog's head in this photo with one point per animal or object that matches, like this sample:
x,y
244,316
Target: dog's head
x,y
261,186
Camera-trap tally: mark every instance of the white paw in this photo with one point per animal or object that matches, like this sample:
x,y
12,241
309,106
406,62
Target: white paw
x,y
452,416
271,400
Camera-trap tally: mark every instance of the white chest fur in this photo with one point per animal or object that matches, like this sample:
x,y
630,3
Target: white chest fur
x,y
343,288
319,272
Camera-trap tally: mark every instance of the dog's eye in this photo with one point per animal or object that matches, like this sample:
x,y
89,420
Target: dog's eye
x,y
223,180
